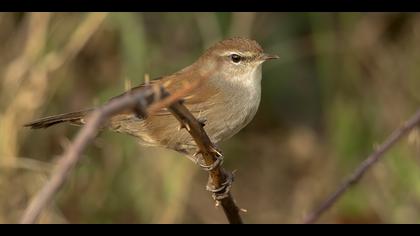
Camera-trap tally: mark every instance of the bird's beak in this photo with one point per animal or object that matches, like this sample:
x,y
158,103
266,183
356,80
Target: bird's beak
x,y
266,57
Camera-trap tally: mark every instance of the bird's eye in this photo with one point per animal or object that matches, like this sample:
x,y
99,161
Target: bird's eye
x,y
235,58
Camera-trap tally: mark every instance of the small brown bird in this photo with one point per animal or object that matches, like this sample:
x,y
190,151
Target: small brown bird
x,y
227,101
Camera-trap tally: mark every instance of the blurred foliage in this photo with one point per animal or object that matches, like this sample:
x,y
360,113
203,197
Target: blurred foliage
x,y
343,83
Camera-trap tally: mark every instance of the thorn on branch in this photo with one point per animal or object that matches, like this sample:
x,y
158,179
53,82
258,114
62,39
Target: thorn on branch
x,y
187,127
243,210
181,126
184,125
202,121
215,151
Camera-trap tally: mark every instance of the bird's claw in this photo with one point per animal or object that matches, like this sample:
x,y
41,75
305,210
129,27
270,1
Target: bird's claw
x,y
218,162
224,189
215,151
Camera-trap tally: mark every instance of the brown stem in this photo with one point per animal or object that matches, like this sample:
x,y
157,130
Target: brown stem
x,y
364,166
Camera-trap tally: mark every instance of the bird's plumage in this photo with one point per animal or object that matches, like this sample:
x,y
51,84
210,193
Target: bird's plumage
x,y
226,101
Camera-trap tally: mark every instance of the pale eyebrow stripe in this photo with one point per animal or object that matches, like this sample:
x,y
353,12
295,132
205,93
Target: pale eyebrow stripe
x,y
245,54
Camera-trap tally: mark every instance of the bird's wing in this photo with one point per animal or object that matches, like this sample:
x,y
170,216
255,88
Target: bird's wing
x,y
195,101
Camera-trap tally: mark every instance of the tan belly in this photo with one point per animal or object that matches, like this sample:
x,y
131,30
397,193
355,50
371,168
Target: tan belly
x,y
163,131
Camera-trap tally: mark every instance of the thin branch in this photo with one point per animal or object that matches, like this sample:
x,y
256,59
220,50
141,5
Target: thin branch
x,y
364,166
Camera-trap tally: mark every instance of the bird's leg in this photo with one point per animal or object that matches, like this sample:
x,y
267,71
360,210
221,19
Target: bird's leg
x,y
223,190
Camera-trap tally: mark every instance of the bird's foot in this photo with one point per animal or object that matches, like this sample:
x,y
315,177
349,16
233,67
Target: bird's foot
x,y
223,190
218,162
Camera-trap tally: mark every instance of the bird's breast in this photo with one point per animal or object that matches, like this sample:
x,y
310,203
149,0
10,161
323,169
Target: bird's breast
x,y
236,106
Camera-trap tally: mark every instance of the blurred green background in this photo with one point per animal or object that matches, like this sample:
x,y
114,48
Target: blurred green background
x,y
343,83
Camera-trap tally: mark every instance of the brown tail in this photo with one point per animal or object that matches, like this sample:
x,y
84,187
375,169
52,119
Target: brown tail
x,y
72,117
